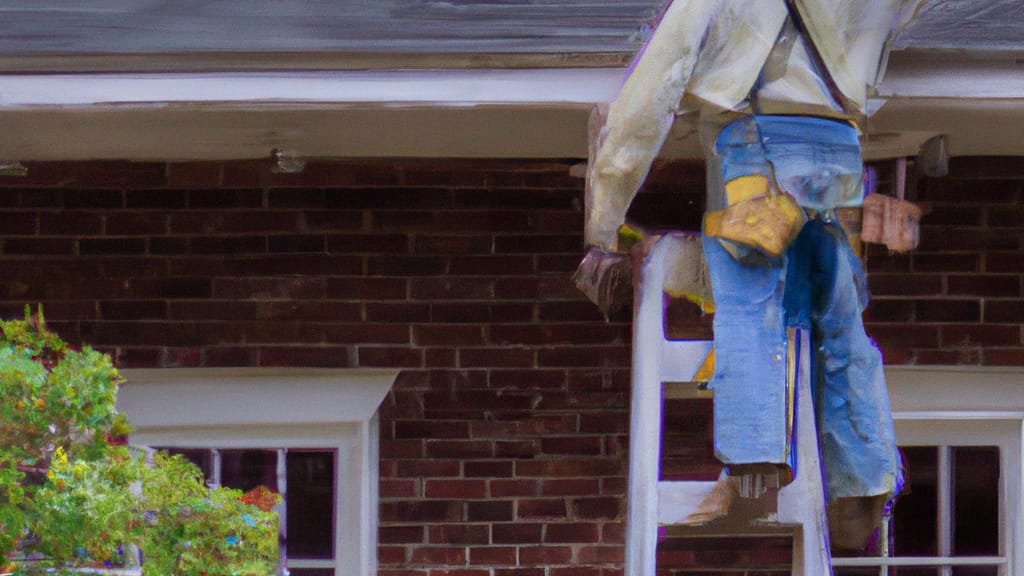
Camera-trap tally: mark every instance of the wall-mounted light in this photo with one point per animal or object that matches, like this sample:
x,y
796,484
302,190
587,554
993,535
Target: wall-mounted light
x,y
15,168
285,163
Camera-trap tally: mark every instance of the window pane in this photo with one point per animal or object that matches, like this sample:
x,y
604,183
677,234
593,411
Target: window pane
x,y
310,504
311,571
913,571
975,571
915,513
247,469
975,501
856,571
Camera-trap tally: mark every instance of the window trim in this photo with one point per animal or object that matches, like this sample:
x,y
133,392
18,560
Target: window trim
x,y
983,406
276,408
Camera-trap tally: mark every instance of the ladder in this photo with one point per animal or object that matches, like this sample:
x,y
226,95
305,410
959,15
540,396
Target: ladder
x,y
659,363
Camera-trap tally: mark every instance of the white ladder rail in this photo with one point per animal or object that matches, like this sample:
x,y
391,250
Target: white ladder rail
x,y
657,360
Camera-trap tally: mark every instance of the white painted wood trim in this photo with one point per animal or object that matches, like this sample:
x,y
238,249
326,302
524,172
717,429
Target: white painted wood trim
x,y
276,408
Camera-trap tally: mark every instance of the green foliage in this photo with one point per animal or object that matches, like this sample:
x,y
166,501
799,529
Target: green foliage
x,y
68,495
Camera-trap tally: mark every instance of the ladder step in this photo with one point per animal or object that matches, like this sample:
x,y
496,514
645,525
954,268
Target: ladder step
x,y
680,359
688,502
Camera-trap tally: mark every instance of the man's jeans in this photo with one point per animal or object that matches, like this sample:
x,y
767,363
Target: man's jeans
x,y
819,285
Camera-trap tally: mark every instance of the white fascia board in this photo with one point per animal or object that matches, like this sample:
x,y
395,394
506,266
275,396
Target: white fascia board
x,y
564,86
945,75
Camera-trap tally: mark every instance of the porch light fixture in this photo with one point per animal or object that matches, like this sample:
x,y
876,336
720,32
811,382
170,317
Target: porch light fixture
x,y
285,163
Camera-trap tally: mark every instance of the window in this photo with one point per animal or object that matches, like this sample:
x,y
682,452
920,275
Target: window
x,y
960,431
310,433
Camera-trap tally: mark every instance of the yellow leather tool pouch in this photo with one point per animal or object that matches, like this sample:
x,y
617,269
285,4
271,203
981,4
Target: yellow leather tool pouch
x,y
767,223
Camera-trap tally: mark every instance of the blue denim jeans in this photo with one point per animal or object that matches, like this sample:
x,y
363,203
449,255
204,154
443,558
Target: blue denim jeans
x,y
819,285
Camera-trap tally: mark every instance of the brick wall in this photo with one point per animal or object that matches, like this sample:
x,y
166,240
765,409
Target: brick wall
x,y
958,298
503,442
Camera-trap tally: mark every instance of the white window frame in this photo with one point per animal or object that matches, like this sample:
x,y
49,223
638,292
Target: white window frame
x,y
965,406
276,408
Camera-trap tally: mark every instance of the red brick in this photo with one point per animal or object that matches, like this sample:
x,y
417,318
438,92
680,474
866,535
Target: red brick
x,y
538,243
367,243
393,265
544,555
496,357
959,356
404,198
440,358
225,198
231,356
904,335
193,174
391,555
133,309
389,357
403,488
402,572
405,312
529,379
440,429
960,335
541,508
1004,356
997,285
439,556
453,244
24,223
1004,311
448,335
890,310
419,511
601,555
487,469
459,533
319,356
510,488
156,199
492,556
613,533
462,288
335,221
905,284
516,449
38,246
948,310
93,199
371,289
571,487
295,198
570,445
568,467
461,572
491,265
557,533
946,262
489,511
460,449
519,572
433,468
1004,262
136,357
456,489
517,533
400,535
576,356
597,508
576,311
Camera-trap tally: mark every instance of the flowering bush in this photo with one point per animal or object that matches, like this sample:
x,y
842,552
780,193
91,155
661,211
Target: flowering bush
x,y
69,499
